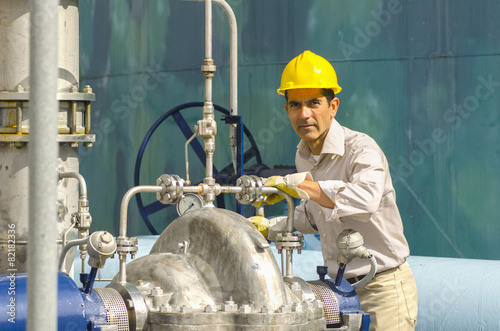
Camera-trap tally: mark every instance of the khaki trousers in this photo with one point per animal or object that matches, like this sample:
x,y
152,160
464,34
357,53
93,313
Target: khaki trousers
x,y
391,300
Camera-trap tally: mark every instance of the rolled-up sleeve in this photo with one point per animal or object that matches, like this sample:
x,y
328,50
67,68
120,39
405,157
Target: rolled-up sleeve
x,y
360,196
302,221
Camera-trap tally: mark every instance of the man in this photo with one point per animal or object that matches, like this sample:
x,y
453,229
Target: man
x,y
351,189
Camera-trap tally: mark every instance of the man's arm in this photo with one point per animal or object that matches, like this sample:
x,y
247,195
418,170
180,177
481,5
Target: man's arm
x,y
316,194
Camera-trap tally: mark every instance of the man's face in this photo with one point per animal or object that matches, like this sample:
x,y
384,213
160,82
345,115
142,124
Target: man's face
x,y
310,114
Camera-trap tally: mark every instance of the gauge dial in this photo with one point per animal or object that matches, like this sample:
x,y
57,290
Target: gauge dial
x,y
189,202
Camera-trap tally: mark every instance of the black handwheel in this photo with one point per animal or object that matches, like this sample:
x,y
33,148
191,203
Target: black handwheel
x,y
226,174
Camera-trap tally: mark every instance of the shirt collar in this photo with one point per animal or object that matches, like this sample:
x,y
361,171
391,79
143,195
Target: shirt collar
x,y
334,141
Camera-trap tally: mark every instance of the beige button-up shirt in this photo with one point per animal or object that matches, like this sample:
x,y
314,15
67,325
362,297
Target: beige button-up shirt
x,y
353,172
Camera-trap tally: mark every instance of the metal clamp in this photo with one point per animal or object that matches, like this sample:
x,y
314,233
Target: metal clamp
x,y
126,245
251,189
173,187
289,241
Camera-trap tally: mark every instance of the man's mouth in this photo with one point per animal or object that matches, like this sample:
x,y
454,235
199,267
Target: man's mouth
x,y
306,126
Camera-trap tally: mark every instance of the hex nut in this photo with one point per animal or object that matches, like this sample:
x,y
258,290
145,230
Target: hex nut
x,y
284,309
210,309
266,310
245,309
166,308
185,309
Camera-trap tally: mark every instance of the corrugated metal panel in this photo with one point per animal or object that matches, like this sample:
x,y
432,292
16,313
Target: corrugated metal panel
x,y
421,77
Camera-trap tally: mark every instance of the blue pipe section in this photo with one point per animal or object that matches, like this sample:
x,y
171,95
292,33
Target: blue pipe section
x,y
75,310
456,294
90,281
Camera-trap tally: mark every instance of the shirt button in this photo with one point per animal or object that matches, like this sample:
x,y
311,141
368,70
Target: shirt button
x,y
315,167
329,257
320,212
324,235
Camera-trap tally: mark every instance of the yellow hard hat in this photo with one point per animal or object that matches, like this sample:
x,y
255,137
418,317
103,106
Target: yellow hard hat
x,y
308,70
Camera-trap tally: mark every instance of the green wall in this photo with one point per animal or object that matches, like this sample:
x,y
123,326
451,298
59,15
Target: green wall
x,y
421,77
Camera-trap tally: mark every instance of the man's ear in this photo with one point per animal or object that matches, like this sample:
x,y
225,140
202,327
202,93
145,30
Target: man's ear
x,y
286,107
334,104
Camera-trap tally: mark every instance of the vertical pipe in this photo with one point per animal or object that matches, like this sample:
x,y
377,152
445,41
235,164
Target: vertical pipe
x,y
208,30
42,156
289,264
233,55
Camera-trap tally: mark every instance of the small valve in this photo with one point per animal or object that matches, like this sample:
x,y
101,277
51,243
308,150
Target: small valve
x,y
322,271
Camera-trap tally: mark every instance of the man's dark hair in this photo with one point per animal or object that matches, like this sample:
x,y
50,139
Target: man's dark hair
x,y
326,92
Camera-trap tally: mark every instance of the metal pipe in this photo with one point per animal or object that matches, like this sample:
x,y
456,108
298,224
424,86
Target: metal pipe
x,y
122,274
125,202
42,156
67,247
208,29
188,182
65,234
81,180
233,54
291,209
289,264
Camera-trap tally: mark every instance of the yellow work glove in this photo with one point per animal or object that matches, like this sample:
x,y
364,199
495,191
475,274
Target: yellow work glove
x,y
288,184
261,223
269,228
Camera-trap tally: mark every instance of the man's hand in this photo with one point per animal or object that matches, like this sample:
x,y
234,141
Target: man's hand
x,y
269,228
289,184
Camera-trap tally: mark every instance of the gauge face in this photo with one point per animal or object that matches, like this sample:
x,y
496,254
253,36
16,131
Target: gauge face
x,y
189,202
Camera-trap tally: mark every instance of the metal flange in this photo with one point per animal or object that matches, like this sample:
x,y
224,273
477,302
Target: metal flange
x,y
289,241
173,187
251,189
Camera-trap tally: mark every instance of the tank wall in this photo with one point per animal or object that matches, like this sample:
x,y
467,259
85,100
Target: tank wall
x,y
15,39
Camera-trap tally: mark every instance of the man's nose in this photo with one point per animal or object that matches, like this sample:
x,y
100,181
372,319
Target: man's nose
x,y
305,112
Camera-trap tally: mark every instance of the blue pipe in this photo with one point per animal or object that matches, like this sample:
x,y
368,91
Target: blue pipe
x,y
90,281
75,310
340,274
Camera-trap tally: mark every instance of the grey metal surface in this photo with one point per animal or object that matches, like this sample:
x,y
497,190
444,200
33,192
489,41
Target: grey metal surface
x,y
14,191
42,161
15,44
224,251
215,270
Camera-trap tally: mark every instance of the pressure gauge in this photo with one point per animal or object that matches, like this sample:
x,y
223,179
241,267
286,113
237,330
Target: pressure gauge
x,y
189,202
